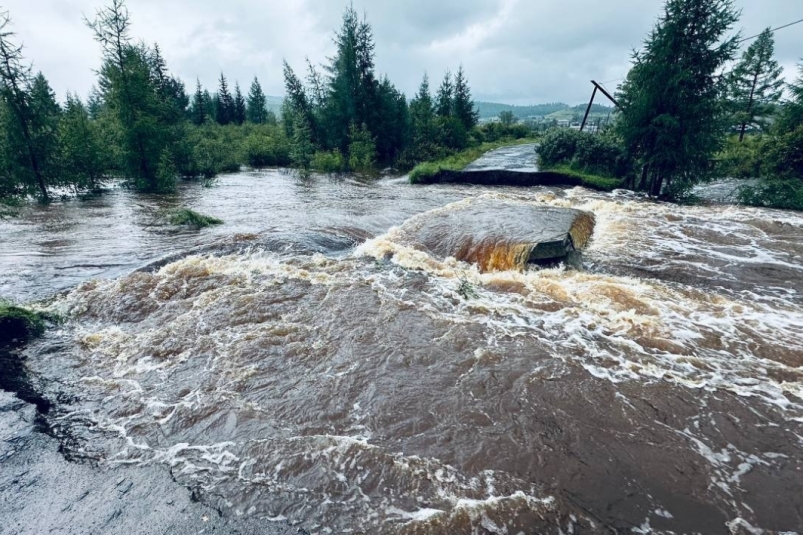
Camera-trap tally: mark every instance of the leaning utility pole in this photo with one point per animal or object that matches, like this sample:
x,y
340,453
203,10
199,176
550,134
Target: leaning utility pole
x,y
597,87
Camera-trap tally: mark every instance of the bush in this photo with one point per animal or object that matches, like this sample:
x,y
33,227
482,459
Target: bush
x,y
187,217
264,151
362,149
491,132
19,324
785,193
584,152
742,160
329,162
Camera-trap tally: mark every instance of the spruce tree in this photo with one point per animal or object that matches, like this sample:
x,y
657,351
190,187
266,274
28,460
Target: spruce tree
x,y
199,111
210,105
224,103
463,107
756,84
671,122
239,106
445,100
422,111
256,107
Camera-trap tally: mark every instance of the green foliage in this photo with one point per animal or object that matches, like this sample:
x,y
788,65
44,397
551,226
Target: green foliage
x,y
166,174
755,85
82,159
146,102
263,150
19,324
329,162
784,193
186,217
671,124
453,162
589,180
463,104
466,290
745,159
584,152
302,149
362,149
256,106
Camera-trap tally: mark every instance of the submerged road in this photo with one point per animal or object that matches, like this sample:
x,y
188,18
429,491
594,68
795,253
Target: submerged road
x,y
518,158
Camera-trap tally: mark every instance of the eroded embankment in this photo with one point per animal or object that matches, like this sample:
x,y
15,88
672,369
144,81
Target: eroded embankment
x,y
659,391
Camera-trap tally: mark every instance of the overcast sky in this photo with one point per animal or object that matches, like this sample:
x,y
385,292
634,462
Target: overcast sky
x,y
514,51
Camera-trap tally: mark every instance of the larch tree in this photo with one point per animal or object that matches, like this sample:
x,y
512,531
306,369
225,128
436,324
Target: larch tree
x,y
756,84
672,120
239,114
198,113
27,160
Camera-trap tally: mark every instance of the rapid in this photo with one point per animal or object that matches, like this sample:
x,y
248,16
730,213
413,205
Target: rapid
x,y
312,363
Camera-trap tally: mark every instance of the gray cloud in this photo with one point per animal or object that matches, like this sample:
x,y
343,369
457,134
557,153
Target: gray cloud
x,y
516,51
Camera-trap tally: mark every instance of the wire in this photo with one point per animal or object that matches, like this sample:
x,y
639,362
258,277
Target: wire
x,y
773,30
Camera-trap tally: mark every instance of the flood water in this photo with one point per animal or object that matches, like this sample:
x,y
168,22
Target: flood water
x,y
306,362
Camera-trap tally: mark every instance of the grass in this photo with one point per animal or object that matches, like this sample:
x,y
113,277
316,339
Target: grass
x,y
588,180
19,324
189,218
425,172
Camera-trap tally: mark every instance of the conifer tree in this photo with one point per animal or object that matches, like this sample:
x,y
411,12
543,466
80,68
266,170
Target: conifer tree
x,y
671,99
256,108
463,107
422,120
225,103
756,84
127,81
28,135
81,153
199,111
210,105
445,100
239,105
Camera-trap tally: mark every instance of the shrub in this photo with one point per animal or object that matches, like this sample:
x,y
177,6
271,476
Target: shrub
x,y
187,217
742,160
584,152
329,162
785,193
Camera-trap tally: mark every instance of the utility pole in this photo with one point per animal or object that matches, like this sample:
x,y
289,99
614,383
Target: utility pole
x,y
591,102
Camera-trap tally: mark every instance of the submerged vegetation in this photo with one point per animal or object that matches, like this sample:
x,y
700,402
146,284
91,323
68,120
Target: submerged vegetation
x,y
19,324
186,217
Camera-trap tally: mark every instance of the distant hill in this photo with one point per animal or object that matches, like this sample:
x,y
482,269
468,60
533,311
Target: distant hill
x,y
493,109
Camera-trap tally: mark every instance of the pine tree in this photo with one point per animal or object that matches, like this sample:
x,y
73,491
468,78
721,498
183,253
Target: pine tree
x,y
463,107
302,148
756,83
298,107
210,105
672,119
199,112
239,105
27,134
445,100
225,103
256,108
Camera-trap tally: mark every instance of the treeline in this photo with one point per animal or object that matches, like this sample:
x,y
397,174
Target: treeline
x,y
346,117
685,118
140,123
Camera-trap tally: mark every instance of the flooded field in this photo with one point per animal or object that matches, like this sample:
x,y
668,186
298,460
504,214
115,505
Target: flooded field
x,y
312,363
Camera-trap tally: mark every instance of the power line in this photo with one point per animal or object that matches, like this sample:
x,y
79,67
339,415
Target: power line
x,y
738,42
773,30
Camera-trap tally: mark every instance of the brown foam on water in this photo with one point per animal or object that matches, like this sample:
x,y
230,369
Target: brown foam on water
x,y
372,396
494,233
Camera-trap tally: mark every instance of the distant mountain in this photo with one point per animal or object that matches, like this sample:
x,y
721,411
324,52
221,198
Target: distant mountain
x,y
493,109
555,110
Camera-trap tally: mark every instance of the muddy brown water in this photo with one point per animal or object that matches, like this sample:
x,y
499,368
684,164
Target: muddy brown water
x,y
308,364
